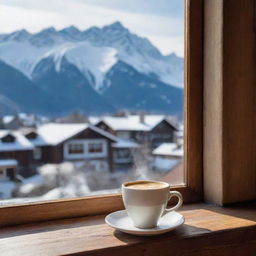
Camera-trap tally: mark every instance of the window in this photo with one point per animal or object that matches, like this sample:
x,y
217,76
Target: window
x,y
85,149
124,135
37,153
8,139
123,153
95,147
75,148
2,174
31,135
80,146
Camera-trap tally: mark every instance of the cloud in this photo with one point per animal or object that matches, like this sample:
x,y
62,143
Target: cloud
x,y
166,32
14,18
176,44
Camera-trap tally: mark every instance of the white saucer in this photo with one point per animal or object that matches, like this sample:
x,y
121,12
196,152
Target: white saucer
x,y
121,221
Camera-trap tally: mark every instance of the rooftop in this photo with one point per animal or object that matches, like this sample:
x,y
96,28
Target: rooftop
x,y
134,122
8,163
20,143
169,149
55,133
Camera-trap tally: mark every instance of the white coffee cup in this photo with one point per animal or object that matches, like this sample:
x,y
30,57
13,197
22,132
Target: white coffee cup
x,y
145,201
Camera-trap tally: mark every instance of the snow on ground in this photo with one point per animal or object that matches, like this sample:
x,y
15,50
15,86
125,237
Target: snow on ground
x,y
67,180
36,179
6,188
164,164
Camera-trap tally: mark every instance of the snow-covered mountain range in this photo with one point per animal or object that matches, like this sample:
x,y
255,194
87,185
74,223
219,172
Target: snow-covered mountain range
x,y
71,63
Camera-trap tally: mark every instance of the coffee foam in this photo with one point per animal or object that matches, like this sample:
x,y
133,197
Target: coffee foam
x,y
145,185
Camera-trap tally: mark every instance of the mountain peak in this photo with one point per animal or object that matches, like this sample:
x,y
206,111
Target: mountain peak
x,y
172,54
18,35
22,31
71,30
50,30
117,25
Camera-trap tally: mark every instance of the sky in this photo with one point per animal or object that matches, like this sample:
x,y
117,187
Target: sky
x,y
161,21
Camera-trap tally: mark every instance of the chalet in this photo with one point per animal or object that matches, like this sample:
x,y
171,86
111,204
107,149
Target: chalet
x,y
56,142
13,145
144,129
8,169
123,152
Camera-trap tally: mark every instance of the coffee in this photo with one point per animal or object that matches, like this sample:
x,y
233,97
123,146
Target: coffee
x,y
145,201
146,185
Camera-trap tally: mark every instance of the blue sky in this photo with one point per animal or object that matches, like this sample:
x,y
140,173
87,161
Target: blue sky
x,y
159,20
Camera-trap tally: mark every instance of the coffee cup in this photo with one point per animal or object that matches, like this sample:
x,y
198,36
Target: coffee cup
x,y
145,201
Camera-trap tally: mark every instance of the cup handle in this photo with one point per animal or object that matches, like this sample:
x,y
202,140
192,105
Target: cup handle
x,y
178,205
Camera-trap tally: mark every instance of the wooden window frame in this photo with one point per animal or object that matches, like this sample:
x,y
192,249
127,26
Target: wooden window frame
x,y
192,190
86,153
92,150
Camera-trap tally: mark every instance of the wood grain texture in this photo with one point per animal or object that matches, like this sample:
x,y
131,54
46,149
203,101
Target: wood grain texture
x,y
194,96
239,110
229,101
70,208
207,231
213,101
59,209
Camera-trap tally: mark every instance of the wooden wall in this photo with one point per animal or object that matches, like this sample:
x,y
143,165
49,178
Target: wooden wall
x,y
229,101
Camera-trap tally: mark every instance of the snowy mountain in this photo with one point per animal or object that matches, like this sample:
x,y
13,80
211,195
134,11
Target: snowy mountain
x,y
19,94
140,91
23,50
68,87
61,61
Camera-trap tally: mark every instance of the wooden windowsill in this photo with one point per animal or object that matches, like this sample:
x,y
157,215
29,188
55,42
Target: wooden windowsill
x,y
207,229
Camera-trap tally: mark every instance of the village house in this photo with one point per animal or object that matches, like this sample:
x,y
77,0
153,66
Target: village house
x,y
8,169
57,142
124,151
152,130
15,146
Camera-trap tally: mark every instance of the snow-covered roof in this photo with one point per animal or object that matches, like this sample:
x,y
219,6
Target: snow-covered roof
x,y
133,122
169,149
55,133
164,164
8,162
125,144
93,119
103,133
20,143
7,119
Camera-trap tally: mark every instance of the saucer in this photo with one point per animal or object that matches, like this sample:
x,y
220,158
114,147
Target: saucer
x,y
122,222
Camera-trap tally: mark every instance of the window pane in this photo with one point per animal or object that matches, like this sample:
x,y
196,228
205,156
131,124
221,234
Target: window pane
x,y
91,96
75,148
95,147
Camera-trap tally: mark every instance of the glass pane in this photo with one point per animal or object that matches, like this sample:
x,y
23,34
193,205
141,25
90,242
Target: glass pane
x,y
91,95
